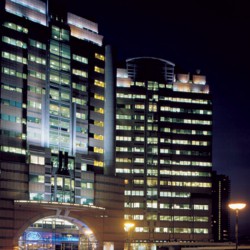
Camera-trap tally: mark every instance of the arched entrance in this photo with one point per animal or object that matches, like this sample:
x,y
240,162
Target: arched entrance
x,y
57,233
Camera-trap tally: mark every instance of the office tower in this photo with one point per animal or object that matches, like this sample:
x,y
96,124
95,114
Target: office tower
x,y
220,211
52,128
163,150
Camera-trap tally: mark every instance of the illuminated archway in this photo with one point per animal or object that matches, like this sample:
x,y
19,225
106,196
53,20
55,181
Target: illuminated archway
x,y
58,232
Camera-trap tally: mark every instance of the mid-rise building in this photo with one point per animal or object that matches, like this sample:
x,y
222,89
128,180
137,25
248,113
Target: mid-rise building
x,y
52,152
164,151
220,210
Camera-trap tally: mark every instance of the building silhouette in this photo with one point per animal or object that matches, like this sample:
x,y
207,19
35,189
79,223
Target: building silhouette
x,y
52,152
220,210
163,150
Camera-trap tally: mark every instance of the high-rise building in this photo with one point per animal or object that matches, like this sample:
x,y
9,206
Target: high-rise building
x,y
52,153
220,211
163,150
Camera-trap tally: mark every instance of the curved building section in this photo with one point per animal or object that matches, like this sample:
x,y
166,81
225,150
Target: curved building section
x,y
150,68
163,150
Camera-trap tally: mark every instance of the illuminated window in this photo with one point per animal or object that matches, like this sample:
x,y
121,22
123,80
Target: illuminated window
x,y
37,44
152,204
14,42
99,56
80,73
15,27
99,110
98,163
99,70
12,72
98,137
98,150
99,83
99,97
99,123
14,57
80,59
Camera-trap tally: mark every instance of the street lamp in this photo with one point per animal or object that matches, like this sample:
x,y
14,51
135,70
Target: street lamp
x,y
236,207
128,227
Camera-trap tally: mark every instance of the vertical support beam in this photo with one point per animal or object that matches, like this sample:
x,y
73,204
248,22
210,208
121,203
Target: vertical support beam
x,y
109,112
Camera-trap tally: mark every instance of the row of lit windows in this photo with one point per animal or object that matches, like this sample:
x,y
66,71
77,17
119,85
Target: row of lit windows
x,y
99,83
179,152
100,57
154,204
14,57
37,44
98,150
37,59
15,27
14,42
13,150
172,230
185,100
80,73
79,101
127,160
125,149
33,104
189,142
62,79
33,43
99,123
123,127
37,74
98,163
36,90
13,72
123,138
174,194
56,94
167,217
130,96
186,184
186,121
80,59
184,173
189,111
59,110
11,88
134,192
57,63
99,70
98,137
99,97
81,116
193,132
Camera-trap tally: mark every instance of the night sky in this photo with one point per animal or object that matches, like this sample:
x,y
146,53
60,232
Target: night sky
x,y
210,35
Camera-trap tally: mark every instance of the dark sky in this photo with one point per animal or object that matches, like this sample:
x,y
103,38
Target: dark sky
x,y
210,35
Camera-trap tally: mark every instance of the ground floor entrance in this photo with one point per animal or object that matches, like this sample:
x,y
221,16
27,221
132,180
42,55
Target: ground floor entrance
x,y
56,234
